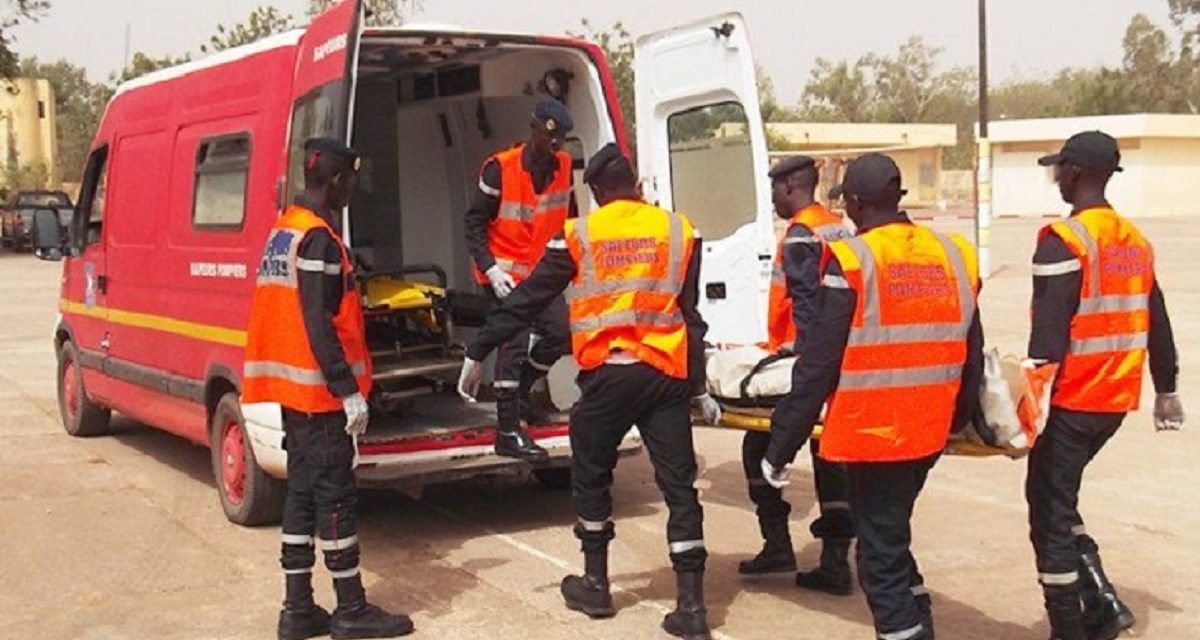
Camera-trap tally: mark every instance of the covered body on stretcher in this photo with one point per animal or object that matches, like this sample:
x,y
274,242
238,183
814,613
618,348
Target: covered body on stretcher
x,y
748,381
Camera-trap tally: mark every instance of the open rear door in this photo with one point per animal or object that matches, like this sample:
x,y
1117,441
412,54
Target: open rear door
x,y
702,151
323,88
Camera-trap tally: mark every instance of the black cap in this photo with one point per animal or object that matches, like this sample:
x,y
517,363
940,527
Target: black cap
x,y
788,166
1090,149
607,155
348,158
873,177
553,116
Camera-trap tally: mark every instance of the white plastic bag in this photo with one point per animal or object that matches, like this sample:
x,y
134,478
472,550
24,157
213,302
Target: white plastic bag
x,y
726,369
999,396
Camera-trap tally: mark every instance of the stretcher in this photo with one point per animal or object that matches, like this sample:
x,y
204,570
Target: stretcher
x,y
748,382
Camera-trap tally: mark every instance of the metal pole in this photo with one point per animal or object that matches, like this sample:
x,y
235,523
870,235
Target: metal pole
x,y
983,171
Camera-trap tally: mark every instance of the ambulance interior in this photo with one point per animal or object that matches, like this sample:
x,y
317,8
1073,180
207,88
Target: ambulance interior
x,y
428,110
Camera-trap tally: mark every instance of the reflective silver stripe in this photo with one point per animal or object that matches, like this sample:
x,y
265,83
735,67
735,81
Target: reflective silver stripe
x,y
627,317
1058,579
802,240
920,590
870,293
317,266
910,632
1093,253
297,572
506,384
966,291
341,575
686,545
835,282
339,544
896,334
1057,268
296,539
556,200
264,369
1079,530
835,506
594,525
832,232
887,378
1114,303
1105,344
516,211
557,243
488,189
614,287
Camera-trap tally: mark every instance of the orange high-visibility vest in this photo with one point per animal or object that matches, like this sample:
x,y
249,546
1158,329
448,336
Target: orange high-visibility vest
x,y
527,220
280,365
631,260
825,228
903,363
1102,371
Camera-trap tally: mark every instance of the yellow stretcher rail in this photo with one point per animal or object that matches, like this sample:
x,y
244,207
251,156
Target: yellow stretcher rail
x,y
733,419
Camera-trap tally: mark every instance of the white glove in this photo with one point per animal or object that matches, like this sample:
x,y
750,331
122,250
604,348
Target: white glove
x,y
502,283
709,408
1168,412
469,379
777,478
357,414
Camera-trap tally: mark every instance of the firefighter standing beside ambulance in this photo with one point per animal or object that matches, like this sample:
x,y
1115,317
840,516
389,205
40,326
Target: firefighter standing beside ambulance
x,y
306,350
524,197
795,283
897,342
1097,312
630,272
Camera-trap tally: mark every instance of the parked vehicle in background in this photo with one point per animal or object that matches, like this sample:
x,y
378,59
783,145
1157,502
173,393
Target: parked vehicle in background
x,y
16,218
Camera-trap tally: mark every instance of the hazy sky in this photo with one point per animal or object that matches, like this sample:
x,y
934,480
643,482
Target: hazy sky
x,y
1027,36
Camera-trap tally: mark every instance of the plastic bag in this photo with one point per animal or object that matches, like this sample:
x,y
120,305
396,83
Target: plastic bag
x,y
999,398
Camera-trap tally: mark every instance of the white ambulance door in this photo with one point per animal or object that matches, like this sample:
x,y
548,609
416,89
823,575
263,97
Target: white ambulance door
x,y
702,151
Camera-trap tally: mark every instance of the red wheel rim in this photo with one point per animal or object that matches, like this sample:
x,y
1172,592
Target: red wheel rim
x,y
70,390
233,462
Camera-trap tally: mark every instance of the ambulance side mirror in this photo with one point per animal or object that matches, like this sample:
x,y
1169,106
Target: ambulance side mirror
x,y
47,235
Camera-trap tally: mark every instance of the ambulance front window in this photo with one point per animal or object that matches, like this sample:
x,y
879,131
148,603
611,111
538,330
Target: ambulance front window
x,y
91,202
712,168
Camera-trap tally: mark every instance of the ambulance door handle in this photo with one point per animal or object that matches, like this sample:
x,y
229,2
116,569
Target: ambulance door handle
x,y
102,283
715,291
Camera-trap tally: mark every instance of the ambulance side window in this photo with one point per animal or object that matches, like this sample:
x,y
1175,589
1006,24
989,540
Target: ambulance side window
x,y
317,114
90,218
222,171
710,146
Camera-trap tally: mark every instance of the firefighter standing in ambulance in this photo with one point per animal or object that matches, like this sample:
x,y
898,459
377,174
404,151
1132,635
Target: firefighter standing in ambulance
x,y
1097,311
897,342
630,272
307,351
524,196
794,286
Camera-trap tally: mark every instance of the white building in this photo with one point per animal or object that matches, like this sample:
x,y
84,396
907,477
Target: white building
x,y
1159,152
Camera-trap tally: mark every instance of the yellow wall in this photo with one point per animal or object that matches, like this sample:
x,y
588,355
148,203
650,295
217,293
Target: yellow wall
x,y
28,133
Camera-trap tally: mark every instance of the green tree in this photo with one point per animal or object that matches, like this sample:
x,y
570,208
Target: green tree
x,y
78,104
262,22
25,177
143,64
617,44
380,13
15,12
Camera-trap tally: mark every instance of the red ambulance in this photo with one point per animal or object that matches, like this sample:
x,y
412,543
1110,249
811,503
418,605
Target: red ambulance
x,y
192,164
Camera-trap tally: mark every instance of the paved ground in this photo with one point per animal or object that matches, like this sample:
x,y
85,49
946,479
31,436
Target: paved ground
x,y
122,537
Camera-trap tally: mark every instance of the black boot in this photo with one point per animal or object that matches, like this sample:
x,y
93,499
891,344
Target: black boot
x,y
536,407
1066,618
689,620
776,556
300,617
833,574
589,593
356,618
925,604
1104,615
511,440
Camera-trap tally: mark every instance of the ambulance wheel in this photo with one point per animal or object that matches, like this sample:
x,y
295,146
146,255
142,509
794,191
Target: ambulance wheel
x,y
554,478
81,417
249,496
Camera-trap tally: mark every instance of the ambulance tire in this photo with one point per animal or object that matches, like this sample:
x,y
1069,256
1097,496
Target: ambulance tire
x,y
554,478
248,495
81,417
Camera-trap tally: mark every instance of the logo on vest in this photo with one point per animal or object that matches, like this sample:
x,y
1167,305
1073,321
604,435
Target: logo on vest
x,y
1125,261
625,252
918,281
276,263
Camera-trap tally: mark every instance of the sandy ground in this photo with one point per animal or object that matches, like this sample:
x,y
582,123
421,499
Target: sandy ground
x,y
123,537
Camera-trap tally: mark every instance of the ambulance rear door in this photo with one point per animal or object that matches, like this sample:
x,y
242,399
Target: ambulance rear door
x,y
702,151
